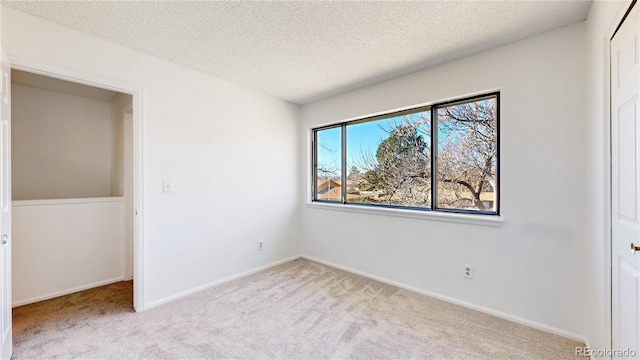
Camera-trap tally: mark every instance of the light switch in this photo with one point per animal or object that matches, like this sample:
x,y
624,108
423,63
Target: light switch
x,y
167,186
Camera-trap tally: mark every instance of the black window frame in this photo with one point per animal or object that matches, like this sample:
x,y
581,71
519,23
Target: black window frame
x,y
433,108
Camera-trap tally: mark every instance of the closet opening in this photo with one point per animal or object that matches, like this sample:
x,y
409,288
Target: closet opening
x,y
72,171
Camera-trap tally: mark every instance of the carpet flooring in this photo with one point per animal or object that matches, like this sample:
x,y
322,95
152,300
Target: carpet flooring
x,y
298,310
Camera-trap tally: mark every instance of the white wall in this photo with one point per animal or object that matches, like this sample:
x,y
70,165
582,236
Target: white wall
x,y
62,145
230,152
532,267
63,246
117,116
602,16
122,172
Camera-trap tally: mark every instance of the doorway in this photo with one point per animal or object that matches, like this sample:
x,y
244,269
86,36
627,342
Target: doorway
x,y
134,114
71,188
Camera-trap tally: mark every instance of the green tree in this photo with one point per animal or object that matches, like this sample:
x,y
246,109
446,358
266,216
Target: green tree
x,y
401,172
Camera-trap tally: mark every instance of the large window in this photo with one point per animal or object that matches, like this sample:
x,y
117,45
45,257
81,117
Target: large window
x,y
442,157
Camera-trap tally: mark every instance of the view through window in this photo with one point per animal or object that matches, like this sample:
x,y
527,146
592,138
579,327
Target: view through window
x,y
391,160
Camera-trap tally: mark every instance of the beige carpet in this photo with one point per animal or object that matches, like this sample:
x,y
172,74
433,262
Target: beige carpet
x,y
298,310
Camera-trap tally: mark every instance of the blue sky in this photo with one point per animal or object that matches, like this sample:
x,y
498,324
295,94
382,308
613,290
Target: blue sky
x,y
361,138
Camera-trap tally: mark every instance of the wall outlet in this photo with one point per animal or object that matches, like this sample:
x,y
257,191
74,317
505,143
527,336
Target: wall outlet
x,y
260,245
468,271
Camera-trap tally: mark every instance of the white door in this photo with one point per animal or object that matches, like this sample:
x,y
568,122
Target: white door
x,y
5,209
625,197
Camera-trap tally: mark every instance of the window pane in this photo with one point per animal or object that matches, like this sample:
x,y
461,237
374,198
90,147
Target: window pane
x,y
467,156
388,161
328,170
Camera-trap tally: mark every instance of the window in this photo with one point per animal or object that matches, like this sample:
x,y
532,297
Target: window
x,y
442,157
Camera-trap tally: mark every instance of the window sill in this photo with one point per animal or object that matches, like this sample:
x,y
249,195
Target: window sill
x,y
483,220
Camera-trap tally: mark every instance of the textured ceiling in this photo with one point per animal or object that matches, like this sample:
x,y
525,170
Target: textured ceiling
x,y
66,87
304,51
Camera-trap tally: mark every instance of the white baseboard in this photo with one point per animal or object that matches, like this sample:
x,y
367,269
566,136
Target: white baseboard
x,y
451,300
66,292
217,282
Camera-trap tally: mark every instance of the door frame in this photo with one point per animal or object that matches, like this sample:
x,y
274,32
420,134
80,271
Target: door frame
x,y
136,91
608,236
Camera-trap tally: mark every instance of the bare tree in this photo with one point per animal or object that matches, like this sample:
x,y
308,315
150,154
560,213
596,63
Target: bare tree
x,y
400,170
467,151
326,170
